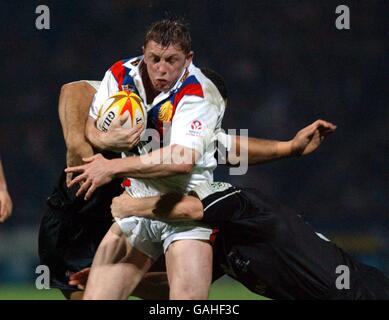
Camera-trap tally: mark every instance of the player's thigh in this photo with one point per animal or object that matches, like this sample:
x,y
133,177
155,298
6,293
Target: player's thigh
x,y
115,274
116,281
189,268
113,247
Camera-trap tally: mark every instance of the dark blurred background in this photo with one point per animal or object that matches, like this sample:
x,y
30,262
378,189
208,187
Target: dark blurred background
x,y
286,65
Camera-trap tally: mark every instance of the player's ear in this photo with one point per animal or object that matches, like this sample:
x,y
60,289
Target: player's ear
x,y
188,59
144,54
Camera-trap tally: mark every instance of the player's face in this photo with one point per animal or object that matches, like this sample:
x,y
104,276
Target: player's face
x,y
165,64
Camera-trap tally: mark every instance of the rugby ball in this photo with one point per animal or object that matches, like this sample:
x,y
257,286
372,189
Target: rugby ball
x,y
118,104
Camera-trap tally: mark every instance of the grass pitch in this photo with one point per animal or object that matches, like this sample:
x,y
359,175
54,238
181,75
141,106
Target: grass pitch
x,y
223,289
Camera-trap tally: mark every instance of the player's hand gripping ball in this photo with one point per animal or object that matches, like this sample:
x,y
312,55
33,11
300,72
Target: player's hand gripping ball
x,y
118,104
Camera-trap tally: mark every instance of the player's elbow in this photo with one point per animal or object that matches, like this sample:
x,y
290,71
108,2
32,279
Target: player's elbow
x,y
69,88
183,168
197,212
72,89
193,209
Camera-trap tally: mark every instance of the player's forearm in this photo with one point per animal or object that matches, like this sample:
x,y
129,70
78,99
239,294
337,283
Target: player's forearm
x,y
255,151
168,161
170,206
74,102
262,150
5,199
141,207
3,182
173,206
95,136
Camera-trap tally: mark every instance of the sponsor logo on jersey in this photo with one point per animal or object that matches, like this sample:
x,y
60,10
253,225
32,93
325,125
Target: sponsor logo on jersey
x,y
196,125
195,129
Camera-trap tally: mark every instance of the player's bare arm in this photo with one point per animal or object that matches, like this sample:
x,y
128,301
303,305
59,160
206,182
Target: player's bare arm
x,y
5,199
171,206
79,131
99,171
73,106
167,161
306,141
74,103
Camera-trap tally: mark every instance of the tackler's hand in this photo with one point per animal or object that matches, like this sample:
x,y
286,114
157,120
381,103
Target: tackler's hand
x,y
309,138
96,172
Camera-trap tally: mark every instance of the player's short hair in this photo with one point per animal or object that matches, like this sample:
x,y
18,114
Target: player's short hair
x,y
217,80
170,32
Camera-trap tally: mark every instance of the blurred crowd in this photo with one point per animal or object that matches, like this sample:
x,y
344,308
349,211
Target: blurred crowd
x,y
285,64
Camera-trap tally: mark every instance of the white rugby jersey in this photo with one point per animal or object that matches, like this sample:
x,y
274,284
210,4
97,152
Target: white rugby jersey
x,y
193,109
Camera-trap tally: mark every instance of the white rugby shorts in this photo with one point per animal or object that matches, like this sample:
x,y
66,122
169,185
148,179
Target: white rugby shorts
x,y
153,237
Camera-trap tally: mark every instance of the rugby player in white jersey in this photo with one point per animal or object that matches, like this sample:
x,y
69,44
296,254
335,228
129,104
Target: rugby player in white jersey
x,y
258,151
74,102
173,91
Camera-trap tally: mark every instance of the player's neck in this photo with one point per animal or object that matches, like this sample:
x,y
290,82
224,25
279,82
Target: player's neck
x,y
151,93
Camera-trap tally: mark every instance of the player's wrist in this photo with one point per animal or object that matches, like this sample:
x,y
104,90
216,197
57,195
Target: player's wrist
x,y
79,146
3,183
285,149
4,191
96,138
100,141
115,168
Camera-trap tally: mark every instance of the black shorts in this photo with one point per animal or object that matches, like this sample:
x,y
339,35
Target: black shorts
x,y
71,230
271,250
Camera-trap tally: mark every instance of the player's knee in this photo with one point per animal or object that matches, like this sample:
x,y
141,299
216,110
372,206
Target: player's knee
x,y
188,291
112,240
113,247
